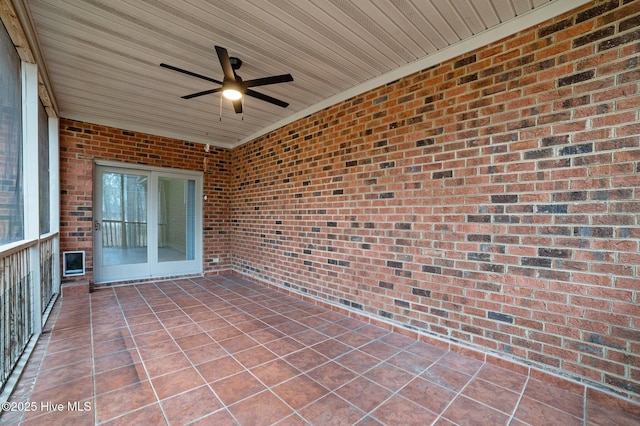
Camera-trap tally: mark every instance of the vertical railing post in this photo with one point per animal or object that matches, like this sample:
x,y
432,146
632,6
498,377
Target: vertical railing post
x,y
4,315
30,104
54,199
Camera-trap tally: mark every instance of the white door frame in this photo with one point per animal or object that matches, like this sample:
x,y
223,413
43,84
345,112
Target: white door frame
x,y
152,268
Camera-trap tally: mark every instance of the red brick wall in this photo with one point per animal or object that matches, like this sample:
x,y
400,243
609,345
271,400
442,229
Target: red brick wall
x,y
493,199
82,143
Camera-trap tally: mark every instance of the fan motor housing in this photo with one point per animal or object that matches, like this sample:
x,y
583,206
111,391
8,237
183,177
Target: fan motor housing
x,y
236,63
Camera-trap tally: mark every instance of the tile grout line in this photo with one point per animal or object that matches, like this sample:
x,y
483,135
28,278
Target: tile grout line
x,y
362,375
302,373
524,388
142,361
280,357
520,394
549,405
459,393
269,388
45,343
93,363
45,352
128,326
397,392
145,299
182,351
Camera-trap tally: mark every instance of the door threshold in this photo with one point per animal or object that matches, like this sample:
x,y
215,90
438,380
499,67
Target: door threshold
x,y
121,283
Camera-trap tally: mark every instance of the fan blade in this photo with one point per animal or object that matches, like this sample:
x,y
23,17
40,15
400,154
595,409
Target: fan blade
x,y
266,98
204,92
192,74
237,106
269,80
223,56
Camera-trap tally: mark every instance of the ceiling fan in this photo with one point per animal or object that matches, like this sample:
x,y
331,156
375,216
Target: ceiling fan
x,y
232,86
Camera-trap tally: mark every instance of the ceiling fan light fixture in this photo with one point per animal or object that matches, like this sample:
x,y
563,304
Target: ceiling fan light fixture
x,y
232,86
232,93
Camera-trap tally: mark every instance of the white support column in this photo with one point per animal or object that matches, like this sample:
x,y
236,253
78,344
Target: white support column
x,y
54,197
31,185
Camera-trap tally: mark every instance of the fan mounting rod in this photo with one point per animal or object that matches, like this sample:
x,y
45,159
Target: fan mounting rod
x,y
236,63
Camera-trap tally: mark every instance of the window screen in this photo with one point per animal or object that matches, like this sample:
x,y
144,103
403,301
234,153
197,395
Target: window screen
x,y
11,199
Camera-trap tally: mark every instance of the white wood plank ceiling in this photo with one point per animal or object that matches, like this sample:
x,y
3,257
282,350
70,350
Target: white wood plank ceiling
x,y
102,56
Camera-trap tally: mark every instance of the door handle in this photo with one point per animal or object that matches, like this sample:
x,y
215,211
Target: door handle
x,y
96,225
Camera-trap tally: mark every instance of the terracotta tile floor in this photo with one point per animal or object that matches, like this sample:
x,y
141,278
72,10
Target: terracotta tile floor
x,y
223,350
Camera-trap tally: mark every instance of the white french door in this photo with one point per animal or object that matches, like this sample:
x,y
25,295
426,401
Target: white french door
x,y
147,223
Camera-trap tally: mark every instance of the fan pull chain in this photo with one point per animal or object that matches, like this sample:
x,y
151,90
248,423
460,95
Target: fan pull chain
x,y
220,107
242,118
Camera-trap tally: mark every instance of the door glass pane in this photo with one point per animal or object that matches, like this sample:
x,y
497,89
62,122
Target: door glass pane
x,y
124,219
176,219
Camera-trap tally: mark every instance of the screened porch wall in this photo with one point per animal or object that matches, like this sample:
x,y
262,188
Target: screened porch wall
x,y
29,249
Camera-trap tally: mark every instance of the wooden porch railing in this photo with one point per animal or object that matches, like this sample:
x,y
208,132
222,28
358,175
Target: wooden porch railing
x,y
15,307
21,294
118,233
47,258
